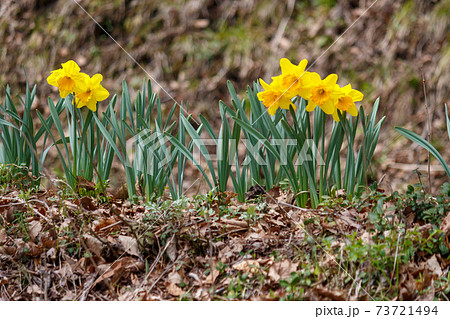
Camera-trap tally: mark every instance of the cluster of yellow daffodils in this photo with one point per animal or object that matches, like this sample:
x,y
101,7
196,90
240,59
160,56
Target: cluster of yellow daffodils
x,y
87,90
295,81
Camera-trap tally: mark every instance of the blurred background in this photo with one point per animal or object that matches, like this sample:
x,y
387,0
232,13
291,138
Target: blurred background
x,y
192,47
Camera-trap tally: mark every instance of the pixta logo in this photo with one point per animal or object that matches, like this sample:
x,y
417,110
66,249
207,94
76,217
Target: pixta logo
x,y
152,151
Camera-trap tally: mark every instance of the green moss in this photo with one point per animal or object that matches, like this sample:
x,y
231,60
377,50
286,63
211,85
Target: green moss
x,y
414,82
324,3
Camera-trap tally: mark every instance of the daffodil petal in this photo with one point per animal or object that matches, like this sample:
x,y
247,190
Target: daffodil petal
x,y
336,116
305,93
311,106
100,93
96,79
285,105
277,82
331,80
273,109
71,67
307,78
356,95
64,94
92,105
80,104
353,111
264,85
311,79
52,79
287,66
302,66
328,107
346,89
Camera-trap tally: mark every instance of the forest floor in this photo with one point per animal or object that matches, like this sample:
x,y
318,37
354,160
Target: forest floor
x,y
57,245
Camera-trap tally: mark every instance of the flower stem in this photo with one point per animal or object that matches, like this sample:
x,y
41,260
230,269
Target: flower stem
x,y
83,138
75,144
322,152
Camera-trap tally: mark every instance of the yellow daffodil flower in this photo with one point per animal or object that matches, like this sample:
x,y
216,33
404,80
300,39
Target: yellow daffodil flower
x,y
68,79
93,93
323,93
293,77
345,102
275,96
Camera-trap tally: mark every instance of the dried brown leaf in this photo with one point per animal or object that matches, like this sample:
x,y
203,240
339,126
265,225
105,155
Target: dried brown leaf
x,y
88,203
172,251
174,278
32,249
445,226
130,245
174,290
8,250
34,289
254,192
248,266
103,223
211,278
3,236
408,287
94,245
434,267
35,229
347,217
337,295
83,183
282,270
121,268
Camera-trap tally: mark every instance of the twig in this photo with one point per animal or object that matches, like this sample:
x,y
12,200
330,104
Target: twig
x,y
155,262
88,286
110,226
291,206
20,201
160,276
428,129
230,232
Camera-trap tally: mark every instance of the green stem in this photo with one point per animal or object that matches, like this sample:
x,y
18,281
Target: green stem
x,y
75,144
322,152
87,151
346,126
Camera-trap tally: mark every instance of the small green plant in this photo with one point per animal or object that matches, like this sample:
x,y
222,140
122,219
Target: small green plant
x,y
243,284
19,225
295,285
